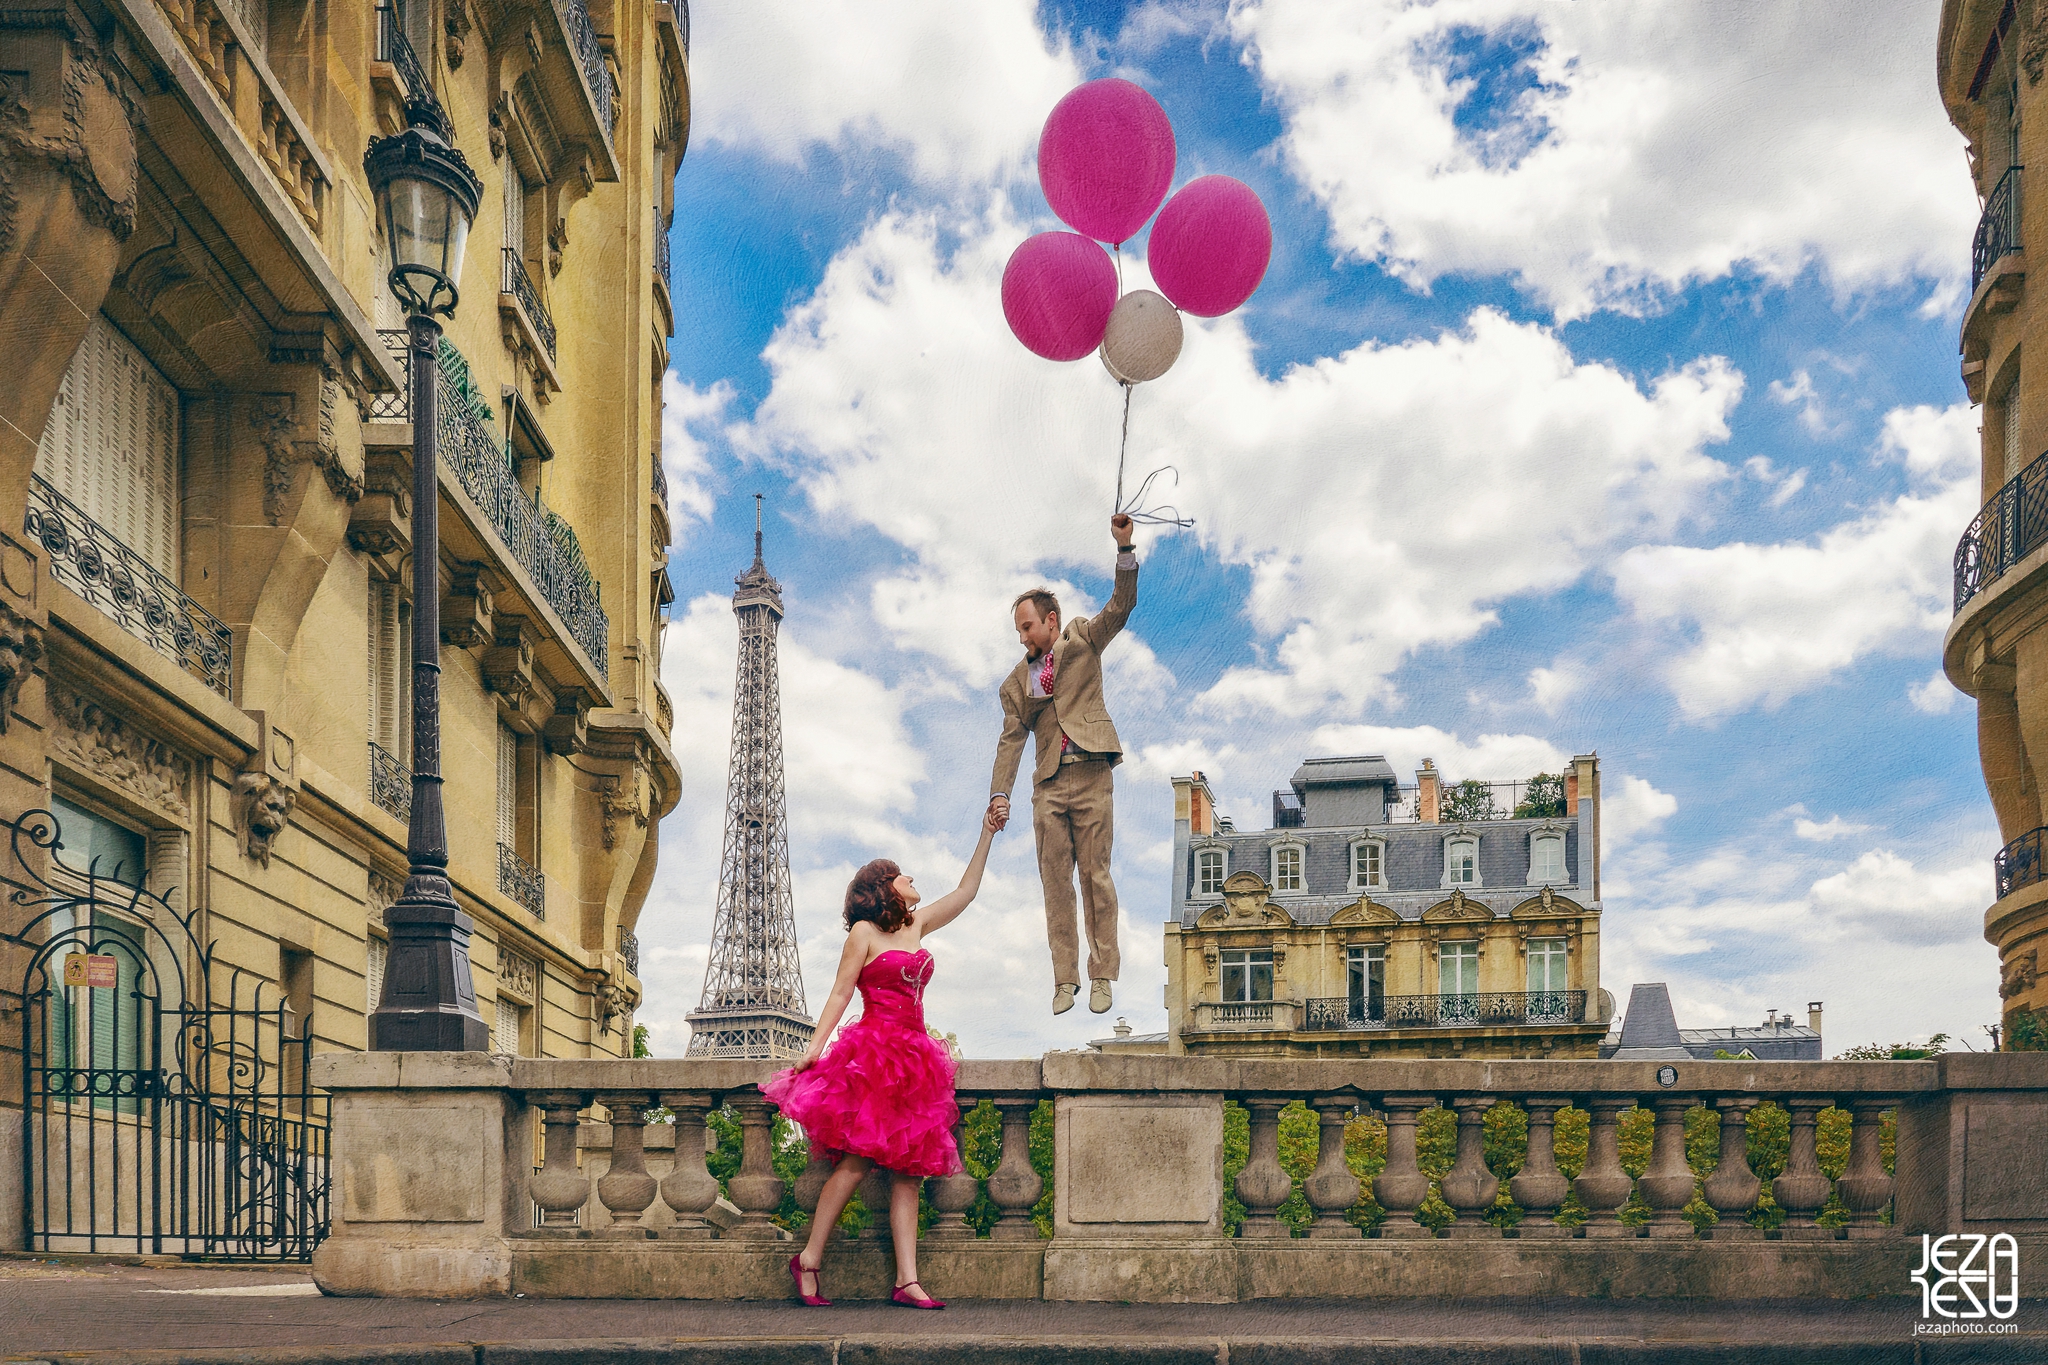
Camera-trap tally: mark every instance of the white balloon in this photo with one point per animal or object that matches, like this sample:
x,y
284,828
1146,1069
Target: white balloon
x,y
1143,338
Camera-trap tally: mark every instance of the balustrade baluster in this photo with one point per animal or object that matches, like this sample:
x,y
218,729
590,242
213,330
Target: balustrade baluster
x,y
1803,1189
1539,1187
626,1188
756,1189
1332,1189
1864,1186
1263,1184
560,1190
810,1186
874,1193
690,1189
1400,1187
1603,1186
1668,1184
953,1195
1013,1185
1470,1187
1733,1187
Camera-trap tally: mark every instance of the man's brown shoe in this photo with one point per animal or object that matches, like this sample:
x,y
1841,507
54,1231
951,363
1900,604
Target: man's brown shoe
x,y
1063,997
1098,996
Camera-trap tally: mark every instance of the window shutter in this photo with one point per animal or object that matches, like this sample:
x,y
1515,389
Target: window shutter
x,y
111,445
2014,462
379,954
508,785
515,210
505,1029
387,671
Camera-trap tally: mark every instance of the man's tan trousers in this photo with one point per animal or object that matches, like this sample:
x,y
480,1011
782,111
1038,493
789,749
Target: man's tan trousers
x,y
1072,817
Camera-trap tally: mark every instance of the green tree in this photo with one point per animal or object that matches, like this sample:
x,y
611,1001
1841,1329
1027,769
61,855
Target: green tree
x,y
1542,798
1896,1052
2026,1030
640,1048
1468,800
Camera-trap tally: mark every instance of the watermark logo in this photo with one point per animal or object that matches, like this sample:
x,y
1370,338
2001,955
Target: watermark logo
x,y
1969,1282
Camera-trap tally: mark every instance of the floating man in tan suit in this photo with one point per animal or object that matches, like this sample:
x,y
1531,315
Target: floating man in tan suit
x,y
1055,695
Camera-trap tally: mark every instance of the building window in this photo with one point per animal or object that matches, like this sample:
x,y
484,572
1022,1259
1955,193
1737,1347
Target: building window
x,y
1247,974
1546,859
105,1029
1457,978
1365,971
1209,871
1546,965
515,211
508,1030
1461,862
1367,859
111,445
390,671
1287,862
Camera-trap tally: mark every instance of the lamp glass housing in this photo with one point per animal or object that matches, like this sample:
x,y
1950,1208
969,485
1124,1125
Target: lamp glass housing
x,y
427,232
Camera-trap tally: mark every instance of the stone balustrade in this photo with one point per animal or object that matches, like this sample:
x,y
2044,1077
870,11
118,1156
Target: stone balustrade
x,y
631,1208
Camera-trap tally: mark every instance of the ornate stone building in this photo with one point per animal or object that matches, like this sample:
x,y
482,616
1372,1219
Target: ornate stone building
x,y
205,450
1989,63
1380,920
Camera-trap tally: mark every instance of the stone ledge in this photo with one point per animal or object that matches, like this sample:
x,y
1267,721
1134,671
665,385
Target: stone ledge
x,y
733,1269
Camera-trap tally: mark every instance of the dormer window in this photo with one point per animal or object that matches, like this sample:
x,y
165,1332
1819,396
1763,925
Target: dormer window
x,y
1461,861
1210,870
1368,863
1288,863
1546,858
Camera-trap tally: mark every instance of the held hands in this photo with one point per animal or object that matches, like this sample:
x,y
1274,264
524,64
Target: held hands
x,y
1120,527
998,814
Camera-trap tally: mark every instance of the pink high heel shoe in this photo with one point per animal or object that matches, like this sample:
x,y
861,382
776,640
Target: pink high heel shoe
x,y
926,1302
797,1271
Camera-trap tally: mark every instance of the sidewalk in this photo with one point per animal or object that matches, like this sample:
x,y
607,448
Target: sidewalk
x,y
114,1314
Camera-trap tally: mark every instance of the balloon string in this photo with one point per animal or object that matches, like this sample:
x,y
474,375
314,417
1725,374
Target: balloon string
x,y
1135,509
1116,250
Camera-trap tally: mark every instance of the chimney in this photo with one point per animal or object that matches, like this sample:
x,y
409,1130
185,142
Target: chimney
x,y
1201,806
1122,1029
1813,1015
1571,791
1770,1018
1428,793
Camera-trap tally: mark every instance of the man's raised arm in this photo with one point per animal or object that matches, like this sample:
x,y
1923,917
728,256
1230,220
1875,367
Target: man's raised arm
x,y
1104,625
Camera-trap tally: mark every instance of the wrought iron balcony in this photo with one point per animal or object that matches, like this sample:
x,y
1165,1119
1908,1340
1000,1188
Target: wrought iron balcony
x,y
660,482
519,285
521,881
394,47
541,542
1998,231
1483,1009
2010,527
590,55
2018,864
661,253
86,558
390,782
629,950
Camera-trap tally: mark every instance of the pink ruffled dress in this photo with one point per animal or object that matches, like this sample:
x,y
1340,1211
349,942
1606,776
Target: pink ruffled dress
x,y
884,1088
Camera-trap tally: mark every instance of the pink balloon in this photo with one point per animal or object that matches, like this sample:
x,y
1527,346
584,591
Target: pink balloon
x,y
1106,158
1211,245
1058,290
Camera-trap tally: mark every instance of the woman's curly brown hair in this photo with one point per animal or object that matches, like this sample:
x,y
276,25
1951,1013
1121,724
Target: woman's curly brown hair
x,y
872,896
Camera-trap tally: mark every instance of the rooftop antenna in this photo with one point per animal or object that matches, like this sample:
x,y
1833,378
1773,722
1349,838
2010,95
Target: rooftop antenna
x,y
757,527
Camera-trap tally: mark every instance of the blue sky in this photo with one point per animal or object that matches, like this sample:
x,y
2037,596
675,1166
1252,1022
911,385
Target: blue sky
x,y
1602,395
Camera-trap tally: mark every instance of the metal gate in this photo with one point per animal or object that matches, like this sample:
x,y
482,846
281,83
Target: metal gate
x,y
166,1107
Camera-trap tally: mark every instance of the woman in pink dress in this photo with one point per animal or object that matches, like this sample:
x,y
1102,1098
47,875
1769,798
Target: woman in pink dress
x,y
882,1094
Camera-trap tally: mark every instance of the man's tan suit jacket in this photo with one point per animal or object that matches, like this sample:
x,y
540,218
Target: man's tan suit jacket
x,y
1076,707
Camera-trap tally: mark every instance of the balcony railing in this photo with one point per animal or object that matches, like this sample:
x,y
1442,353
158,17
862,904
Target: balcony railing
x,y
661,255
2018,864
2012,525
1998,231
1485,1009
390,782
660,482
521,881
590,54
85,557
519,285
394,47
629,950
543,543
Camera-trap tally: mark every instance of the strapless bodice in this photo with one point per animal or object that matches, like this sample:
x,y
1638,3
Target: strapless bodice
x,y
892,988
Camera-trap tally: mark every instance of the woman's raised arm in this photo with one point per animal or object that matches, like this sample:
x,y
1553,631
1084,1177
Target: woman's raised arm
x,y
947,908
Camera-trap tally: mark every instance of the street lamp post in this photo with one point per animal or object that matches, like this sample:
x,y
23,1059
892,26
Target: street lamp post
x,y
427,197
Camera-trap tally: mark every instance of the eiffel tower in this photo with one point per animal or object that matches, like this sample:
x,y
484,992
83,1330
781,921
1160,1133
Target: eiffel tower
x,y
753,1003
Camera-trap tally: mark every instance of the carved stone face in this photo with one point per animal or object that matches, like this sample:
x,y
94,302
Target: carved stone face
x,y
272,810
21,645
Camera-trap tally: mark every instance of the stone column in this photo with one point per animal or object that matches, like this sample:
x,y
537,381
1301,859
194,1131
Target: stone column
x,y
68,165
1263,1185
626,1188
1332,1189
756,1189
1668,1184
1400,1187
690,1188
953,1195
560,1190
1803,1188
1470,1187
1603,1187
1539,1187
874,1193
1864,1186
1733,1187
1013,1185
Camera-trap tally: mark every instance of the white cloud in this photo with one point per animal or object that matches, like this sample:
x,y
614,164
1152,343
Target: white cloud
x,y
1936,445
684,459
1886,895
1645,146
1445,474
1800,391
960,90
1821,831
1936,695
1630,806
